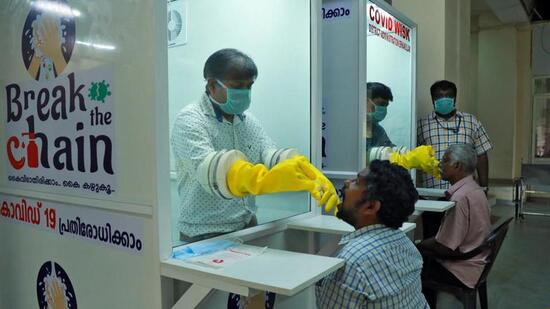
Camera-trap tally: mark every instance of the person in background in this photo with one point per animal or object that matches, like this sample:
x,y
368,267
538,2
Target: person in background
x,y
379,97
382,266
447,126
464,227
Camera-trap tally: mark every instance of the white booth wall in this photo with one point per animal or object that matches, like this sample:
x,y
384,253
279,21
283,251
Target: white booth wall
x,y
121,43
276,36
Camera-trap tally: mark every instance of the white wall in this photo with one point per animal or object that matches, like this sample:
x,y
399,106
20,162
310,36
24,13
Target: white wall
x,y
457,50
429,15
443,47
497,95
501,80
524,100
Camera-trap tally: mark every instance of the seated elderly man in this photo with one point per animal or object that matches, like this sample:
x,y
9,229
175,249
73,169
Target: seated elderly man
x,y
464,226
383,266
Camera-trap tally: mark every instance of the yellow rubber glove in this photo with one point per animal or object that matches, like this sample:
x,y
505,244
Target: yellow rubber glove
x,y
245,178
330,197
422,157
294,174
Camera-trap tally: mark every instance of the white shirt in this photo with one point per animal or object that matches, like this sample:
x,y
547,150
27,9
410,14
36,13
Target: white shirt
x,y
199,129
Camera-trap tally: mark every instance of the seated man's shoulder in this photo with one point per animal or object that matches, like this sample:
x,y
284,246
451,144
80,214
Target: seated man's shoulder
x,y
471,191
354,246
368,247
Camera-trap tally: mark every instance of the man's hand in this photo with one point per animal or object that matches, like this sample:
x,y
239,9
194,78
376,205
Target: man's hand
x,y
329,196
430,247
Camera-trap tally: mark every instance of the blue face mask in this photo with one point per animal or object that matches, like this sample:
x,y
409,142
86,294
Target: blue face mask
x,y
379,113
198,249
444,106
238,100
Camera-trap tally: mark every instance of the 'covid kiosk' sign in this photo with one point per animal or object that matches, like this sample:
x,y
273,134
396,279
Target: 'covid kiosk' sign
x,y
388,27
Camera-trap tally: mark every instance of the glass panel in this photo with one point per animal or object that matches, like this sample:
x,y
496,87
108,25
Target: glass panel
x,y
276,35
389,80
541,115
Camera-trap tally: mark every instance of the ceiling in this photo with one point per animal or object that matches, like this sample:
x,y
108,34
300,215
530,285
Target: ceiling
x,y
513,11
479,7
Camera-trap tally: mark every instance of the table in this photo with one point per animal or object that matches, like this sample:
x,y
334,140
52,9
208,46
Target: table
x,y
436,206
430,192
332,225
294,272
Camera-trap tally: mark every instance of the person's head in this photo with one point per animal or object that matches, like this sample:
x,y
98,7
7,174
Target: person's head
x,y
443,94
382,193
230,73
459,161
379,97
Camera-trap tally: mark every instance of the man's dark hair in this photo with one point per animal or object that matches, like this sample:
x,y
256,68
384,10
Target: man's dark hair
x,y
393,187
230,63
443,85
379,90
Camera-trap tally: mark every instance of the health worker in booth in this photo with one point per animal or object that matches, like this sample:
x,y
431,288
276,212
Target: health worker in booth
x,y
224,157
379,97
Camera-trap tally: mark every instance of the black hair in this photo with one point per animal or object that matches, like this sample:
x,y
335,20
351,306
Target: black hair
x,y
393,187
443,85
230,63
379,90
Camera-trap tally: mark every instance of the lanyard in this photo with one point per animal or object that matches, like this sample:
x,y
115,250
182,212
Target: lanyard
x,y
454,130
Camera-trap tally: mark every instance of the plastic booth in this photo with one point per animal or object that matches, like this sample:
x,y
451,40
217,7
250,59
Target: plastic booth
x,y
88,186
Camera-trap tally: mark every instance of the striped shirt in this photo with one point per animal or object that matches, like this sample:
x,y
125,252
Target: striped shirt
x,y
462,128
382,270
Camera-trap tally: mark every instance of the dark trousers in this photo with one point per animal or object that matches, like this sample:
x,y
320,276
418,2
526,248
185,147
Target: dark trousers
x,y
234,301
430,223
433,270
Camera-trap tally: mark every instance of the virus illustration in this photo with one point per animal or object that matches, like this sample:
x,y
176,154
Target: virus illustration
x,y
99,91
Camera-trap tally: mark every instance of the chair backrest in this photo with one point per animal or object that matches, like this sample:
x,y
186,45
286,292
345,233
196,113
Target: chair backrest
x,y
493,244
